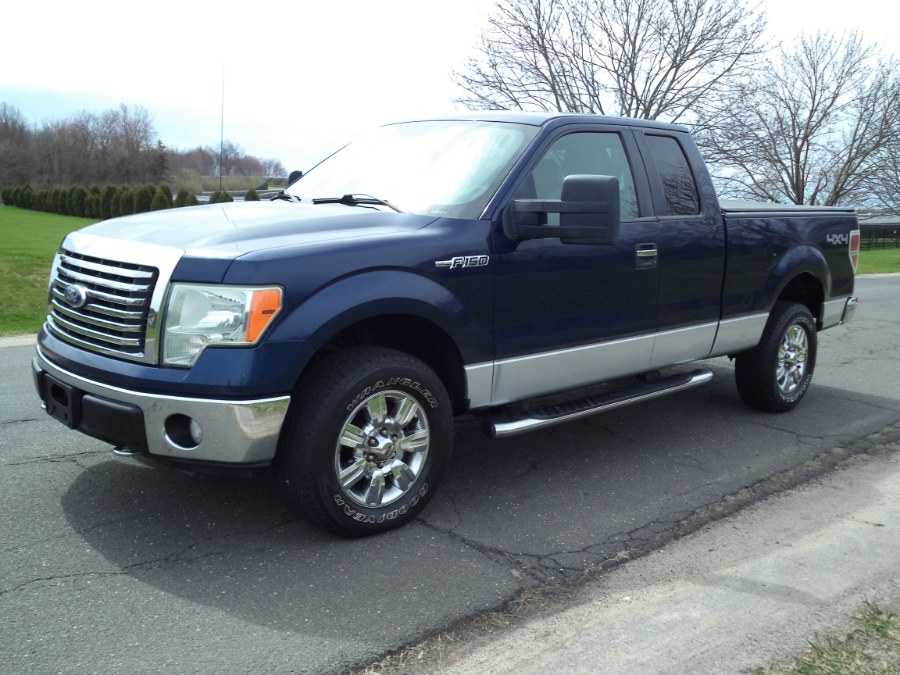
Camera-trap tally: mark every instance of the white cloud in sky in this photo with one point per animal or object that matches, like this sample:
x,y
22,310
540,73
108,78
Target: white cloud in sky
x,y
301,78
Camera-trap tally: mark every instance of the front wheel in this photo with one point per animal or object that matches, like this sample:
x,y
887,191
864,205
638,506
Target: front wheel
x,y
368,437
775,375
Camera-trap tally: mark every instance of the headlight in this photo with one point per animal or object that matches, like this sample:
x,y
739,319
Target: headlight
x,y
200,316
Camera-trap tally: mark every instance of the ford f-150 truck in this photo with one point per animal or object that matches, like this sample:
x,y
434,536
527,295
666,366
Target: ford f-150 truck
x,y
481,264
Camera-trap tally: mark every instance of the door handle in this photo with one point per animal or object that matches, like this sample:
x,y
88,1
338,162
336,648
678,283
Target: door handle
x,y
646,256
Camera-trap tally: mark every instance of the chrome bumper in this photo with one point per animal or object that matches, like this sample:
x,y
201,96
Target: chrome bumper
x,y
850,309
839,311
233,432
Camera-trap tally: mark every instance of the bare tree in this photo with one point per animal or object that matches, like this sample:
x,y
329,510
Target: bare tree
x,y
656,59
810,129
14,146
273,168
78,141
884,184
135,140
525,62
119,145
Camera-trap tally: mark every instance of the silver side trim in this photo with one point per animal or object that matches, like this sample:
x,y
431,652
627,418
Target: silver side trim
x,y
525,377
233,431
479,381
683,345
740,334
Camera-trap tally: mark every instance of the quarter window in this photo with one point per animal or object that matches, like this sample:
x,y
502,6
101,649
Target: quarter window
x,y
679,188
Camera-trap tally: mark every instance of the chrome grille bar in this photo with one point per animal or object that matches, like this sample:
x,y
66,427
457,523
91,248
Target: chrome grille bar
x,y
86,333
72,276
117,297
108,309
108,297
112,270
95,322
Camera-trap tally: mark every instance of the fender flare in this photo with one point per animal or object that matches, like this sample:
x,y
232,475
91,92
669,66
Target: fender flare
x,y
355,298
796,261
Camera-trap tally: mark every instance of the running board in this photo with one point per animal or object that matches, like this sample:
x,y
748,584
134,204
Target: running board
x,y
573,410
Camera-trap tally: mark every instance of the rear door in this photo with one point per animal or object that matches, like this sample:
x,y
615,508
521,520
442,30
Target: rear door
x,y
690,247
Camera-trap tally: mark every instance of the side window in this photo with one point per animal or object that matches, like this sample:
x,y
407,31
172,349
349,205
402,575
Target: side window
x,y
678,184
600,154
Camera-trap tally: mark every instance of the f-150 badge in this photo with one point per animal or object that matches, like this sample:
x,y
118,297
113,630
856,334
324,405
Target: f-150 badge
x,y
463,261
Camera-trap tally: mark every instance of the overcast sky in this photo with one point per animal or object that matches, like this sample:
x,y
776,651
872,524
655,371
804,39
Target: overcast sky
x,y
300,78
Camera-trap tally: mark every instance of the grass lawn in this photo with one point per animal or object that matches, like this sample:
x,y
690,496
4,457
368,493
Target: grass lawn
x,y
29,239
28,242
878,261
870,647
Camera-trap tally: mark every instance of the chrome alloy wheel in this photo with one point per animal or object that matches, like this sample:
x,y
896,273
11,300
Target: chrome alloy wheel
x,y
790,366
382,448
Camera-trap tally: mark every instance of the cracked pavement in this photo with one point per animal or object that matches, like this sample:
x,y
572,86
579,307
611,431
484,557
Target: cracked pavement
x,y
109,565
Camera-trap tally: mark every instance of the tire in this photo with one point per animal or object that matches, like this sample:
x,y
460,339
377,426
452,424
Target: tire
x,y
775,375
367,441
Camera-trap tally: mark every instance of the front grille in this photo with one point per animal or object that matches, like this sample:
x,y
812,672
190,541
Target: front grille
x,y
113,320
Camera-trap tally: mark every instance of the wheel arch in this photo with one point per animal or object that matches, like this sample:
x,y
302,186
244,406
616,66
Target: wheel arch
x,y
408,333
805,276
395,309
806,289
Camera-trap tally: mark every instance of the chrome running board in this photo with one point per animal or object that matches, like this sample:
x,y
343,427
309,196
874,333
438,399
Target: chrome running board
x,y
591,405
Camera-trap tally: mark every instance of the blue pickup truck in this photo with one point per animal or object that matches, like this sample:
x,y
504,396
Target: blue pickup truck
x,y
524,268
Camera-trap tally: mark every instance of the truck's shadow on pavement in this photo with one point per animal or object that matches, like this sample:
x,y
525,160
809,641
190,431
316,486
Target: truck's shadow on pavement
x,y
231,544
511,513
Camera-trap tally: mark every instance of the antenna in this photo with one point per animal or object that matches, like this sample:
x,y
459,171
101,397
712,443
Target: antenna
x,y
222,131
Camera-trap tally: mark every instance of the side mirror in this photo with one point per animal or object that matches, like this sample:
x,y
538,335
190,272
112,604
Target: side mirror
x,y
294,177
589,213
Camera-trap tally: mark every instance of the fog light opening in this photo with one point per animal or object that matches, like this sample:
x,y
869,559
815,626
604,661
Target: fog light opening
x,y
183,432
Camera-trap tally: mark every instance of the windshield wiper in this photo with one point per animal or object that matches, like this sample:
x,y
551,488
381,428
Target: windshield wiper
x,y
355,200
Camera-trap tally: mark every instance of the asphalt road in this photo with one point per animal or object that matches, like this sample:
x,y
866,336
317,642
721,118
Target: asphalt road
x,y
108,566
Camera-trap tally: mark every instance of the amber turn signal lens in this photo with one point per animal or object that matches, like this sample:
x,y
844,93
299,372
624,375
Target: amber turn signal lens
x,y
265,306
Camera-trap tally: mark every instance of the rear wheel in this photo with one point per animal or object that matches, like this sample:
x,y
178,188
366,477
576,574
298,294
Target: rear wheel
x,y
369,436
775,375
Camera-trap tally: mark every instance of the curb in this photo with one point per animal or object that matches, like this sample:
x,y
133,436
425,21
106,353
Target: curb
x,y
18,341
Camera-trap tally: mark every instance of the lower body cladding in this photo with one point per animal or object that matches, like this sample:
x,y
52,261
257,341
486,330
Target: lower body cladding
x,y
502,381
172,428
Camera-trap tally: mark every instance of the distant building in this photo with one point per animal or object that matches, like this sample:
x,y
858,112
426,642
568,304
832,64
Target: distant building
x,y
879,230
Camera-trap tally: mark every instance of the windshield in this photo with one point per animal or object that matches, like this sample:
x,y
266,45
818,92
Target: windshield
x,y
441,168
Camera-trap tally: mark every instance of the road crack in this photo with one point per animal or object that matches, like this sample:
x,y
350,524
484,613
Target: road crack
x,y
24,420
59,459
181,556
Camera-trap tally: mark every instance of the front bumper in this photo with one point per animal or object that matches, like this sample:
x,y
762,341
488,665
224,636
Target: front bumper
x,y
231,432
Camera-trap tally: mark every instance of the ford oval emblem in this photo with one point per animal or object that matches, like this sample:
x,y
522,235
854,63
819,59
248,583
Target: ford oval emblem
x,y
76,296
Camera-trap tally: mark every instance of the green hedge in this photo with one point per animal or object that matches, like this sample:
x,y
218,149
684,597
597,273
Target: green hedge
x,y
95,202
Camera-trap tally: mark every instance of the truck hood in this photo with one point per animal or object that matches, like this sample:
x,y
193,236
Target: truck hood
x,y
227,230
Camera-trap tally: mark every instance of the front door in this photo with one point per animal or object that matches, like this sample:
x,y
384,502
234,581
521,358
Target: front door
x,y
572,314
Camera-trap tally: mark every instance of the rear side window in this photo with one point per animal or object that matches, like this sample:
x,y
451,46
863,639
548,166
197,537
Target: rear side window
x,y
679,188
